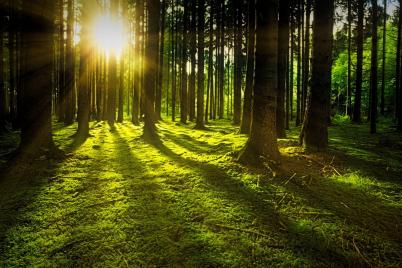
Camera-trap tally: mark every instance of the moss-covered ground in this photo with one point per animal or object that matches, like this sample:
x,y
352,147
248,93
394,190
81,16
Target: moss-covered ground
x,y
118,201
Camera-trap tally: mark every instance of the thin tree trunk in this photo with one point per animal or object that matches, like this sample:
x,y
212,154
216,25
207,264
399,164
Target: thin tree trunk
x,y
384,60
248,93
283,44
349,78
201,59
373,74
359,62
158,97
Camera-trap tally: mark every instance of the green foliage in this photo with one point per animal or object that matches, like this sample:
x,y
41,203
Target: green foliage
x,y
340,71
182,202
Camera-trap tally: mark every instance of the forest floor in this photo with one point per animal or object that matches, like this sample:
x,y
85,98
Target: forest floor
x,y
118,201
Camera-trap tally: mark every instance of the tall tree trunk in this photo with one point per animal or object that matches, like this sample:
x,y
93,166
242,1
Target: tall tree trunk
x,y
184,95
373,74
37,43
3,99
62,74
384,59
262,142
306,57
299,63
248,93
112,74
398,102
84,73
151,66
315,127
201,59
70,64
137,71
158,96
349,82
193,51
238,58
221,58
283,45
359,62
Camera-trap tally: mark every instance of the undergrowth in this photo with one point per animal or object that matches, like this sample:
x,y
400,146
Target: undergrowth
x,y
118,201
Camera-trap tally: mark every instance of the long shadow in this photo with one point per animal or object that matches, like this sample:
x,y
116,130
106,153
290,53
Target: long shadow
x,y
20,183
265,213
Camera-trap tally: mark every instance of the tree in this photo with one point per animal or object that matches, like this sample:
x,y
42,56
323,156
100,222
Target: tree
x,y
184,95
70,67
314,134
263,141
112,74
238,61
384,59
283,47
373,73
37,42
151,67
83,93
248,93
137,71
201,60
193,52
349,89
3,99
359,63
158,96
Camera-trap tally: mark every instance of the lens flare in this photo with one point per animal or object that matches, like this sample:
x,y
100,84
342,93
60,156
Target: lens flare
x,y
108,35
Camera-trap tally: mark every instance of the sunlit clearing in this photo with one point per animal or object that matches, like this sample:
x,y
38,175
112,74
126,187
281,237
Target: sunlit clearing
x,y
108,35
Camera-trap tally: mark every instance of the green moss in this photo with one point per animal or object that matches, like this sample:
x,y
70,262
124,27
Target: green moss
x,y
182,202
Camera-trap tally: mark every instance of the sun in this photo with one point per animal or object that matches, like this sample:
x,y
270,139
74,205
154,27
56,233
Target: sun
x,y
108,35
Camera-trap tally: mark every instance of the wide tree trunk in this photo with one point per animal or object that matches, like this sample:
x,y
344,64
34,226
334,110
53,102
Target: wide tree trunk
x,y
201,60
262,143
373,74
151,67
283,45
248,93
37,46
315,127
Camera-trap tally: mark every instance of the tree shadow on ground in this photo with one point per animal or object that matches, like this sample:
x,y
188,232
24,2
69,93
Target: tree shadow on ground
x,y
269,220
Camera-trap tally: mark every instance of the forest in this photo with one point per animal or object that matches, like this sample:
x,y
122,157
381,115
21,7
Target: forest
x,y
200,133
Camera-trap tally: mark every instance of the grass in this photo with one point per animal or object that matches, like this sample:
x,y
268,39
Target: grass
x,y
118,201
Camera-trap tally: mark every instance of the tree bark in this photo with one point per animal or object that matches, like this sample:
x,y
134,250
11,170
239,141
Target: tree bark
x,y
184,95
384,59
248,93
151,67
262,143
315,127
37,43
201,59
237,65
283,45
373,74
359,63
